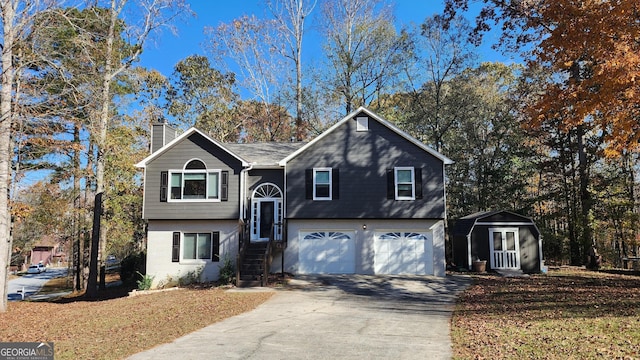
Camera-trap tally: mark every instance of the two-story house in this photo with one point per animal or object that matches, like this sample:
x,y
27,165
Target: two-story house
x,y
363,197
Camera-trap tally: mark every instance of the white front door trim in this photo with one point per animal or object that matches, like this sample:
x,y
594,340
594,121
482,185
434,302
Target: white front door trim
x,y
266,198
504,247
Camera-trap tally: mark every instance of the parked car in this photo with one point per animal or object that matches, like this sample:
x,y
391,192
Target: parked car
x,y
42,268
33,269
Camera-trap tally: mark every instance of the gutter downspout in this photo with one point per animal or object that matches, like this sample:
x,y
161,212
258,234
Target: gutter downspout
x,y
446,223
243,190
470,263
285,231
540,252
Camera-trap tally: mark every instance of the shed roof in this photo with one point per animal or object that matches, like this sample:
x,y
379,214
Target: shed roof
x,y
465,224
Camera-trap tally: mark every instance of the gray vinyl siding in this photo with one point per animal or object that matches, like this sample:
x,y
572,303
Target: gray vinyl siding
x,y
362,159
258,177
157,138
161,134
192,147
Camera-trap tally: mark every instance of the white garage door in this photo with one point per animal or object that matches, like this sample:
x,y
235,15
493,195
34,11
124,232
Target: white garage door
x,y
327,252
403,252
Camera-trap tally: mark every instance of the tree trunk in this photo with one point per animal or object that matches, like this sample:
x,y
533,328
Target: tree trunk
x,y
8,18
92,282
78,283
97,255
586,237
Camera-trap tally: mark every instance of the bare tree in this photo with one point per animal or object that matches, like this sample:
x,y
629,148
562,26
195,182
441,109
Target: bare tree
x,y
437,55
249,44
362,47
291,15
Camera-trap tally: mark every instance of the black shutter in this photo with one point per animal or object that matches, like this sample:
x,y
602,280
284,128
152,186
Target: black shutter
x,y
224,188
164,185
308,183
391,184
417,172
335,184
215,246
175,249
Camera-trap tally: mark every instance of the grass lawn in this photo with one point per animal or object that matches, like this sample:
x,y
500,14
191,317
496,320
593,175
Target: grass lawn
x,y
121,326
561,315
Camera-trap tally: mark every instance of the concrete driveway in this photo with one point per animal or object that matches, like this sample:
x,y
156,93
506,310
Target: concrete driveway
x,y
31,283
333,317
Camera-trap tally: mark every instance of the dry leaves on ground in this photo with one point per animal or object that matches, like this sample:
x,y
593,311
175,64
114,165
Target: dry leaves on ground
x,y
116,328
563,315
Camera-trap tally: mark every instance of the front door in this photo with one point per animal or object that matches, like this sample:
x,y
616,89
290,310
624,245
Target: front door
x,y
266,213
266,220
505,248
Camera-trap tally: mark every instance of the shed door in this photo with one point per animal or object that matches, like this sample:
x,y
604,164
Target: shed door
x,y
505,248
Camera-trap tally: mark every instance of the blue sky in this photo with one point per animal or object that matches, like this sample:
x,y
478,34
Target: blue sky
x,y
169,49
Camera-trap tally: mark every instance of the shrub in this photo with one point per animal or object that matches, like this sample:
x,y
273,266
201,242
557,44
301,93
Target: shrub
x,y
191,277
145,282
132,264
227,272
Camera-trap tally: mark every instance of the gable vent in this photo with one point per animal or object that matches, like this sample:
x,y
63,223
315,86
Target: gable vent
x,y
362,123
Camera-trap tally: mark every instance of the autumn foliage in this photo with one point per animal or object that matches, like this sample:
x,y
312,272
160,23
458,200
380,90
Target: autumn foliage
x,y
591,48
596,45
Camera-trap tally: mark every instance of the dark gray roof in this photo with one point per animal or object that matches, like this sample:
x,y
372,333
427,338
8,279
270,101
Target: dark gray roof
x,y
480,214
264,154
464,225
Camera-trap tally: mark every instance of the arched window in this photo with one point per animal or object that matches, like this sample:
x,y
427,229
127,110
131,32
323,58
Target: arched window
x,y
267,191
195,165
195,182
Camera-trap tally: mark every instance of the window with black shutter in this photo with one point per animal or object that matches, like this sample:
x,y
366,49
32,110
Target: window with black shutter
x,y
224,186
404,183
322,184
391,184
335,186
194,183
308,183
175,250
164,185
215,256
418,182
